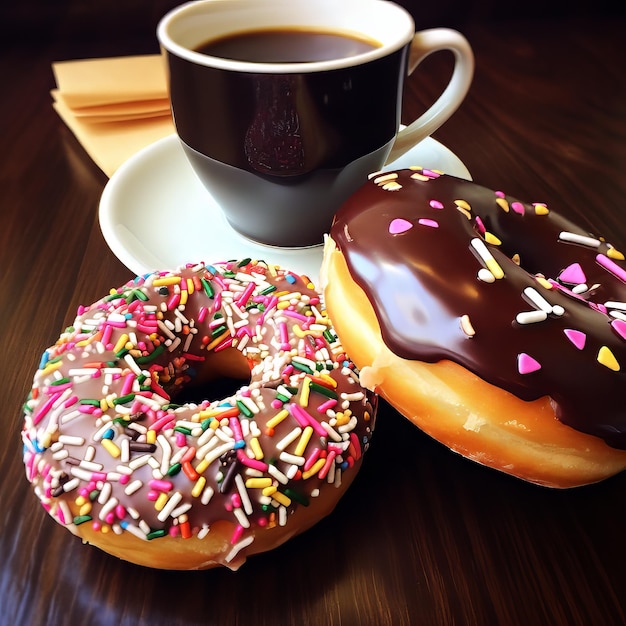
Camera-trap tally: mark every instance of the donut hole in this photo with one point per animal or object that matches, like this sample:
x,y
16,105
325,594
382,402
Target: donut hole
x,y
219,376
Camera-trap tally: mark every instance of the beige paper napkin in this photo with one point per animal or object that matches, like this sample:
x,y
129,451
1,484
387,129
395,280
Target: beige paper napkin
x,y
114,106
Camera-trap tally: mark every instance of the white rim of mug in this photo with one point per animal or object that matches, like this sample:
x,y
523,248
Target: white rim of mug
x,y
402,38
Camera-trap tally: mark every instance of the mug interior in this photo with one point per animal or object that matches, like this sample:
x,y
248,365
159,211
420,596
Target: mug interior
x,y
195,23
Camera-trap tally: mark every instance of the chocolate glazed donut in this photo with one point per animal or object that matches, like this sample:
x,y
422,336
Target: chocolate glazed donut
x,y
508,319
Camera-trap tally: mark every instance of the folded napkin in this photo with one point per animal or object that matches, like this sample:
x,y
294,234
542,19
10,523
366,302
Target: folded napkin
x,y
114,106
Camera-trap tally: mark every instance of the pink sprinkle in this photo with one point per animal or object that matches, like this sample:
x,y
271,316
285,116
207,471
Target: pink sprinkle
x,y
161,485
237,534
303,418
526,364
236,500
428,222
312,459
518,207
573,274
435,204
181,439
152,496
71,401
611,266
399,226
500,194
577,337
480,225
244,459
329,461
329,404
619,326
276,404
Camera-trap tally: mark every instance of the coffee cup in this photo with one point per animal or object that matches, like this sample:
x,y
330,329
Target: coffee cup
x,y
283,107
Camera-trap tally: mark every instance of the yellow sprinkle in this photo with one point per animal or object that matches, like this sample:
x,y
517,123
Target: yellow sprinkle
x,y
329,379
465,212
541,209
306,392
104,407
105,529
258,483
52,367
393,186
385,178
277,419
121,343
466,326
151,436
202,466
301,333
543,282
607,358
111,448
463,204
256,448
515,258
190,286
218,340
492,239
269,491
313,470
281,498
421,177
46,440
198,488
285,304
165,281
614,253
342,418
304,441
161,501
494,268
503,204
183,296
85,509
80,501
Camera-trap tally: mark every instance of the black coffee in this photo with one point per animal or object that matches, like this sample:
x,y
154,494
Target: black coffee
x,y
289,45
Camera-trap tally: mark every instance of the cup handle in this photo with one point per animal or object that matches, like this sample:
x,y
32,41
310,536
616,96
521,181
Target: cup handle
x,y
425,43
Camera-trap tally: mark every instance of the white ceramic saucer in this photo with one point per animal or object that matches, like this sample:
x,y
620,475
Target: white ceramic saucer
x,y
156,214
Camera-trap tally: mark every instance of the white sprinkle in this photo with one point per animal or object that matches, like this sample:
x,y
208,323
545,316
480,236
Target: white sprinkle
x,y
170,505
291,458
531,317
238,547
612,304
537,299
580,239
289,438
131,488
243,493
277,474
207,494
486,276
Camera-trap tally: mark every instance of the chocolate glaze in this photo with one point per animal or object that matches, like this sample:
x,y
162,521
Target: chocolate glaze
x,y
421,279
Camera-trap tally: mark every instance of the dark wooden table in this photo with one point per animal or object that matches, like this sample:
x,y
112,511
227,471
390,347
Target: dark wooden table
x,y
423,536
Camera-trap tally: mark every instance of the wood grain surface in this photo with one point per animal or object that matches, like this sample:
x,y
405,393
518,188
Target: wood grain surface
x,y
423,536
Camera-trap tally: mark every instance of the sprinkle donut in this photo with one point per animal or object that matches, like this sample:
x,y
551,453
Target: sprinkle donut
x,y
495,325
116,458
